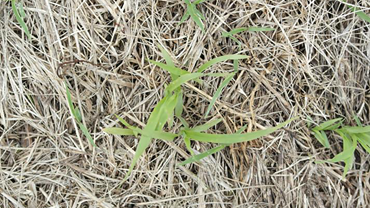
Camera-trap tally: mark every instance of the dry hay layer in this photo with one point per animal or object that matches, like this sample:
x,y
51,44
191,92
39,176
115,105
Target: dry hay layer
x,y
315,63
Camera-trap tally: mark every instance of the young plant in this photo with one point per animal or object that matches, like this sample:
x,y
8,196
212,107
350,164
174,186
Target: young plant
x,y
20,15
77,116
351,137
171,105
193,13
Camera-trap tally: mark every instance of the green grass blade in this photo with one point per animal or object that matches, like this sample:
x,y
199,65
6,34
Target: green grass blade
x,y
232,138
357,129
185,17
86,133
322,138
198,157
198,1
78,115
206,126
22,14
179,105
218,92
155,122
194,14
200,15
171,69
196,18
362,15
358,12
349,148
219,59
119,131
348,165
125,123
364,140
358,122
20,19
327,124
143,144
181,80
188,144
166,56
70,103
158,134
168,110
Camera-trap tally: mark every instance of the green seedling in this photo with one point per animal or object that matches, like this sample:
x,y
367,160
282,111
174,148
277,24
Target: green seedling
x,y
351,137
171,105
77,116
20,15
193,13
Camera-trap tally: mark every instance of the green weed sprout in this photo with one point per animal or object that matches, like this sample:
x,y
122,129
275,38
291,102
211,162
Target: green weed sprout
x,y
77,116
171,105
351,137
193,13
20,15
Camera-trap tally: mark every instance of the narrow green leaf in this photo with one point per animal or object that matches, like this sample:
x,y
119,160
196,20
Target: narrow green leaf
x,y
143,144
218,92
153,124
125,123
86,133
327,124
356,129
181,80
194,14
219,59
364,140
196,18
322,139
185,17
206,126
198,1
232,138
179,105
158,134
200,15
348,165
358,122
173,70
70,103
349,148
20,19
77,114
22,14
360,14
166,56
188,144
198,157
